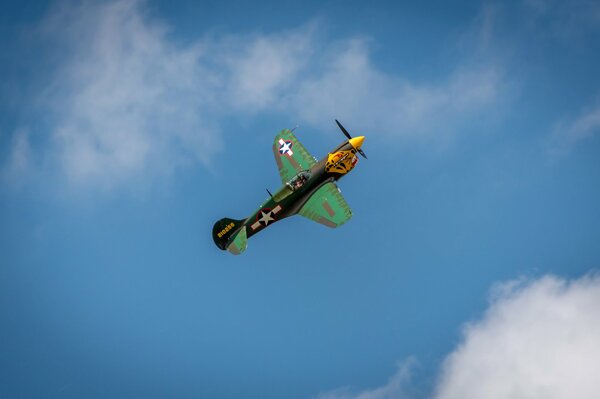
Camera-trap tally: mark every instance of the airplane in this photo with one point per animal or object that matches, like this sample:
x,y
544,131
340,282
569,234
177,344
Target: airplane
x,y
308,189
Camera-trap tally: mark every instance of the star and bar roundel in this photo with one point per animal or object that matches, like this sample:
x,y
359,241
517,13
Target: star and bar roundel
x,y
265,216
285,147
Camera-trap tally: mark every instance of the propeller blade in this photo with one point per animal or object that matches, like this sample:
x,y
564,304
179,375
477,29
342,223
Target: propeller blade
x,y
361,152
343,130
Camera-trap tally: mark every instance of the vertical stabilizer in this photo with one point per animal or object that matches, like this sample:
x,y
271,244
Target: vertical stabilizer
x,y
224,230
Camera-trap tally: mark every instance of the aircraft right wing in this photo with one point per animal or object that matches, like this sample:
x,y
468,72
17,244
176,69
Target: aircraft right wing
x,y
327,206
290,155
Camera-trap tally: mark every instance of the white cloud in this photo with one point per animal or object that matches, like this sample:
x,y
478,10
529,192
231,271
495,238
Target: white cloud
x,y
129,101
263,70
537,339
352,88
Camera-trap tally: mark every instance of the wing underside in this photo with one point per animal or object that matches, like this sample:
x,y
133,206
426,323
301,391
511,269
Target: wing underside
x,y
327,206
290,155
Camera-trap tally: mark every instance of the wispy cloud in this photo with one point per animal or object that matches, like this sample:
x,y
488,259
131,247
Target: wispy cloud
x,y
260,71
128,100
397,387
351,87
565,20
538,339
569,133
19,158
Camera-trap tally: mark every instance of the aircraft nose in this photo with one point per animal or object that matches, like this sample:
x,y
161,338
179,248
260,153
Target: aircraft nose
x,y
356,142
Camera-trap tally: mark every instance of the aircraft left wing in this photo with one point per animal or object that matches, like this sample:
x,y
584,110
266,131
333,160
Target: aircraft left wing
x,y
327,206
290,155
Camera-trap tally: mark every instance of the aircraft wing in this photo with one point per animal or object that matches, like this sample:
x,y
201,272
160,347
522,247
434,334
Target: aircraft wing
x,y
290,155
327,206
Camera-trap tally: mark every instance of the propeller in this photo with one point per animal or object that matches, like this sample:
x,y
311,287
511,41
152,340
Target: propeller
x,y
360,151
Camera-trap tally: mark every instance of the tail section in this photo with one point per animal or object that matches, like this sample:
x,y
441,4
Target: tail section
x,y
230,235
238,244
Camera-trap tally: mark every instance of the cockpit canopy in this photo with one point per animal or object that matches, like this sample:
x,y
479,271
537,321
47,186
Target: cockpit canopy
x,y
294,184
299,180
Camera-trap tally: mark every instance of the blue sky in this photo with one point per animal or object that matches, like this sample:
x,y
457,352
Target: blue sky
x,y
468,269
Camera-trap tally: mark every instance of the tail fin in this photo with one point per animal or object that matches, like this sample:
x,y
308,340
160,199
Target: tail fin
x,y
230,235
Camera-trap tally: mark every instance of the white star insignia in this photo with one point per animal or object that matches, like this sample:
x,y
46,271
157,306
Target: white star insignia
x,y
285,147
265,217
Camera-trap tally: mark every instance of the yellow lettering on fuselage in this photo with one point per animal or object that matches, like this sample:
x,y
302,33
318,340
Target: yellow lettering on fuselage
x,y
225,230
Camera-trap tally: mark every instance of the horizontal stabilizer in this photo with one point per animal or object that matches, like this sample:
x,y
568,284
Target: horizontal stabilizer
x,y
239,242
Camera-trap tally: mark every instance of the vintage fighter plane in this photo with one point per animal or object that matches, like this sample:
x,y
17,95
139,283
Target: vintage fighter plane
x,y
308,189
